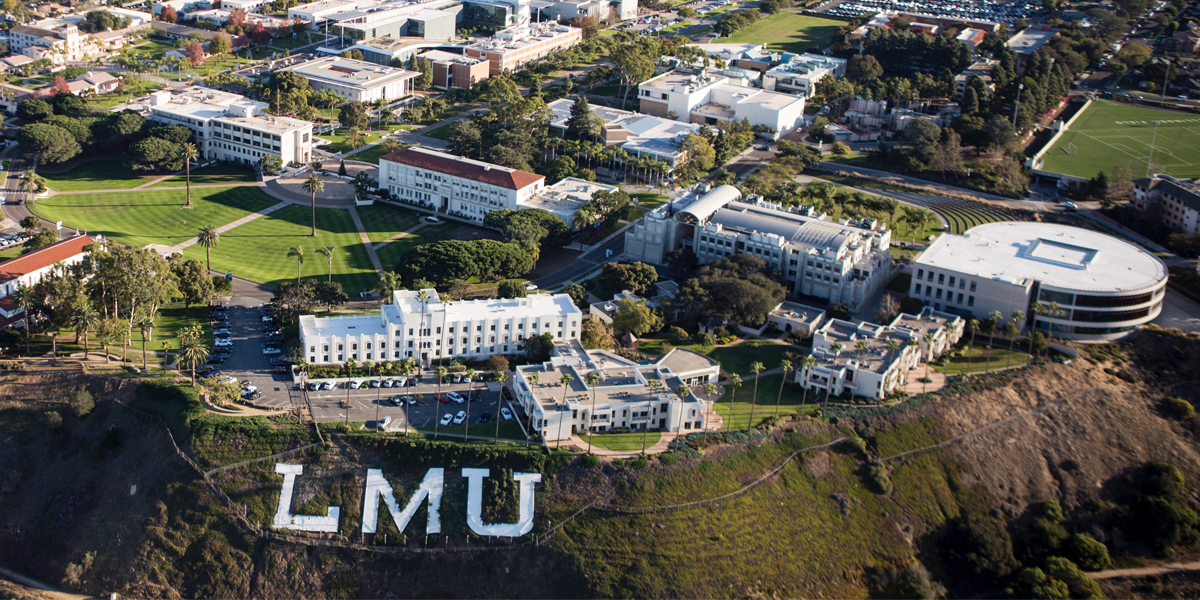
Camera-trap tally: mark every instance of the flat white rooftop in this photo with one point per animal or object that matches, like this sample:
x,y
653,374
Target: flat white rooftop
x,y
1057,255
349,72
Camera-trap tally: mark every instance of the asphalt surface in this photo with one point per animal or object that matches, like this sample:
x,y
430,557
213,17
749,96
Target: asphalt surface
x,y
368,404
586,262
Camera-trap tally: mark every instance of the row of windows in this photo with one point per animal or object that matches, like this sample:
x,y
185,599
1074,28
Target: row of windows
x,y
941,279
937,293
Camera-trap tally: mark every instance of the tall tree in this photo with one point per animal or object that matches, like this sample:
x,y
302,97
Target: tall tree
x,y
756,368
593,379
583,124
313,185
786,365
26,298
735,382
297,252
328,252
189,154
208,238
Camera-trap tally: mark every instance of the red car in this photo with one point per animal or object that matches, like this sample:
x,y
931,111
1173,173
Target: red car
x,y
282,369
443,399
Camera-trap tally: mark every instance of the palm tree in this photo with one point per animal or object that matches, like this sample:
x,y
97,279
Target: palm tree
x,y
391,145
470,390
995,317
1012,333
928,338
313,185
564,381
208,237
593,379
859,347
423,298
25,299
806,363
653,384
193,352
682,391
328,252
406,369
1053,311
144,323
388,282
786,365
735,382
973,324
297,252
500,378
533,382
189,154
441,374
354,138
837,351
710,390
756,368
84,319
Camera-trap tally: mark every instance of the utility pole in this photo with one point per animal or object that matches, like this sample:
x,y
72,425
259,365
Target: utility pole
x,y
1166,77
1153,139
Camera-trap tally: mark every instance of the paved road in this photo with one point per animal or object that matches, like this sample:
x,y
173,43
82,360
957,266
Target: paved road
x,y
586,262
1179,312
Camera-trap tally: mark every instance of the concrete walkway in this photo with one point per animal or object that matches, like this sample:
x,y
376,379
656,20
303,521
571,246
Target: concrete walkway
x,y
366,240
169,250
402,234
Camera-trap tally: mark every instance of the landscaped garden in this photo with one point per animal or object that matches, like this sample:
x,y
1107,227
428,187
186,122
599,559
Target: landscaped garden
x,y
624,442
738,417
153,216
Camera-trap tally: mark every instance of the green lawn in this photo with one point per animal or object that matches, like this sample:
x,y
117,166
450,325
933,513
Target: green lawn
x,y
382,221
372,154
170,320
152,216
899,283
649,200
975,360
338,140
508,429
441,133
737,359
95,175
1110,132
789,32
624,442
768,391
258,250
221,173
11,253
391,252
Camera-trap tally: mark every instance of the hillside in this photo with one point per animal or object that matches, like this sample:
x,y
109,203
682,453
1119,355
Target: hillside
x,y
829,523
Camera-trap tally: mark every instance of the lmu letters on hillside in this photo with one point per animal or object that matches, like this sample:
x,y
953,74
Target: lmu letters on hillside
x,y
430,488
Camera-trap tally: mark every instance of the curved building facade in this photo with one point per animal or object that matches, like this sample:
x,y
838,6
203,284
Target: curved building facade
x,y
1089,285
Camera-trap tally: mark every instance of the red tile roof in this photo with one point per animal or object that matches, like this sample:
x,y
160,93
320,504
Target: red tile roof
x,y
499,176
43,257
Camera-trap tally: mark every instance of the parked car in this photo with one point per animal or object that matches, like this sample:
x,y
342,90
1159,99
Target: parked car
x,y
357,383
270,350
383,423
455,397
248,390
1070,207
485,417
328,385
409,400
446,418
387,383
443,399
529,287
223,342
460,417
506,414
375,383
281,370
456,378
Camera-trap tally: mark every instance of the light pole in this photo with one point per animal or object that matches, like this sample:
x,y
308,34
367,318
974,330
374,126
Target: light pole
x,y
1153,139
1017,103
1166,76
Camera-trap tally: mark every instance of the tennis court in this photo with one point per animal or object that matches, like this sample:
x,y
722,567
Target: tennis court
x,y
1109,132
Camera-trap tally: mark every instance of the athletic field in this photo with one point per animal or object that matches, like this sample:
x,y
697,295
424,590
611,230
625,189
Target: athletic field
x,y
1109,132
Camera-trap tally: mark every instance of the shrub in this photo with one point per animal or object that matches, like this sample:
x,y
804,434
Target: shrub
x,y
981,545
640,462
909,581
1089,553
677,335
53,420
880,479
1182,409
82,403
1069,573
589,460
668,458
857,443
704,339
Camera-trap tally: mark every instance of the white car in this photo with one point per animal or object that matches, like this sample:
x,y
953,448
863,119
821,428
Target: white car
x,y
529,287
387,383
249,390
230,379
328,385
432,220
455,397
446,418
223,342
460,417
357,383
506,414
383,423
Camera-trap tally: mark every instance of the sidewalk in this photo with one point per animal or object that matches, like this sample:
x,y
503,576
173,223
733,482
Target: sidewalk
x,y
169,250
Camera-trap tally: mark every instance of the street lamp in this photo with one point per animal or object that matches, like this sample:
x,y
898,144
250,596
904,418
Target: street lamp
x,y
1017,103
1166,77
1153,139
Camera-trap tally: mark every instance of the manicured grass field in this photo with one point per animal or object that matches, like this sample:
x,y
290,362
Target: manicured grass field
x,y
649,200
441,133
975,360
372,154
152,216
96,175
339,140
788,31
170,320
382,221
508,429
1109,132
258,250
10,253
768,391
390,253
624,442
737,359
210,175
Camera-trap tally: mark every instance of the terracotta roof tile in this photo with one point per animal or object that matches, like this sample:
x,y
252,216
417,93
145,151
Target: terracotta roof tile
x,y
451,165
43,257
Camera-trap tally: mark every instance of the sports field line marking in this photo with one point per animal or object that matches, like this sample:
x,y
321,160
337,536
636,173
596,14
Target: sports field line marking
x,y
1124,151
1182,144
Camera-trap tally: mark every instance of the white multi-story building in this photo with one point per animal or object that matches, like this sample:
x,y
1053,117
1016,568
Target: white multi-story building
x,y
627,396
470,189
1104,287
513,48
641,136
416,324
30,268
873,360
57,40
844,262
799,74
707,97
356,80
228,127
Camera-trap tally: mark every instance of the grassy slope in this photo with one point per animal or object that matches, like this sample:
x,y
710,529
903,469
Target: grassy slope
x,y
152,216
787,31
95,175
258,250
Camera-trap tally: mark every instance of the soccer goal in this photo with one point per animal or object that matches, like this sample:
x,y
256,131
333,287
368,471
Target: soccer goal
x,y
1070,148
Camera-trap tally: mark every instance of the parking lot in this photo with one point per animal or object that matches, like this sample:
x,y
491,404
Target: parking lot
x,y
245,359
368,404
987,10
